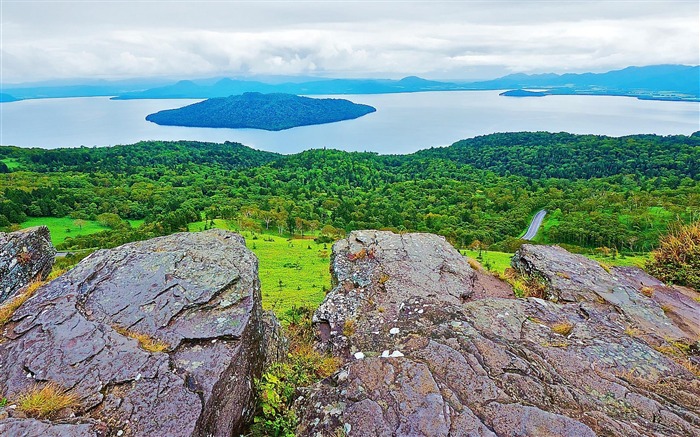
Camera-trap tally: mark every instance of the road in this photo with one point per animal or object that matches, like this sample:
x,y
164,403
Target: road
x,y
534,225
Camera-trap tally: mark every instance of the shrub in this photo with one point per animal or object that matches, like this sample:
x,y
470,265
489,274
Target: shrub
x,y
677,260
277,387
43,402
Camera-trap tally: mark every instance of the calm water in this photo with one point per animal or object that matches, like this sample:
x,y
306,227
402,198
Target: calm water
x,y
403,122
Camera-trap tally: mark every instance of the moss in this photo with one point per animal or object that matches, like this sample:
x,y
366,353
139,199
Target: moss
x,y
563,328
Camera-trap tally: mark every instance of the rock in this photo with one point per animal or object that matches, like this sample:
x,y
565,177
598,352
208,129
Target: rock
x,y
196,294
25,256
33,428
489,365
382,277
575,278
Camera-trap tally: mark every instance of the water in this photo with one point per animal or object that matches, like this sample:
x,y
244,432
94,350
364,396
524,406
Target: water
x,y
403,123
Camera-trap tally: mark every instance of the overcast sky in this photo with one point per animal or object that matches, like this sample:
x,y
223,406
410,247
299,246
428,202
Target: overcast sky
x,y
458,39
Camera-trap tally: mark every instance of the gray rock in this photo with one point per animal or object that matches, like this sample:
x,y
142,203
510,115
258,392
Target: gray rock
x,y
196,293
25,256
575,278
489,365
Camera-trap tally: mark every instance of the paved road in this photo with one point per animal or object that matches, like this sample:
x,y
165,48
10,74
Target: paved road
x,y
534,225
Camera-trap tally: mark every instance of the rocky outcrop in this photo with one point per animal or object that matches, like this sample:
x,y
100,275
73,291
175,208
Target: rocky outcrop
x,y
157,338
25,256
433,347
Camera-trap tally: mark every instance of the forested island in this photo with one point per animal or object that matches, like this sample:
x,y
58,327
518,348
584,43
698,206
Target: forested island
x,y
272,112
619,193
522,93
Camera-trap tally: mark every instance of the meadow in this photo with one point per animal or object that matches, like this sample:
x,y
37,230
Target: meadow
x,y
64,227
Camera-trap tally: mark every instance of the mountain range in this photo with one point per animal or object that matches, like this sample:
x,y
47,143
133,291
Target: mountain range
x,y
659,82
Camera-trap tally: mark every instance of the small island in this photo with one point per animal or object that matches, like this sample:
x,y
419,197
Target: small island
x,y
271,112
523,93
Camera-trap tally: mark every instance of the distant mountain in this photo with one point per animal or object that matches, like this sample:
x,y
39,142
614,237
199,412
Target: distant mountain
x,y
7,98
227,87
661,82
261,111
671,82
80,88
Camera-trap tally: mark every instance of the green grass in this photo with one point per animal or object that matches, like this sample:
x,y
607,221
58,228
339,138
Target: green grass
x,y
11,163
497,261
64,227
292,272
626,261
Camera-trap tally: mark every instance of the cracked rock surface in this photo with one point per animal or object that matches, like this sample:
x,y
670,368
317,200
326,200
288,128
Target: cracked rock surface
x,y
25,256
196,294
596,357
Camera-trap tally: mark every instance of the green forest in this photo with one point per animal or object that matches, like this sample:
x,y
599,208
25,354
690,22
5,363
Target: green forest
x,y
261,111
601,192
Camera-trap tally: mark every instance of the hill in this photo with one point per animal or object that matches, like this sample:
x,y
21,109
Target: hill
x,y
261,111
7,98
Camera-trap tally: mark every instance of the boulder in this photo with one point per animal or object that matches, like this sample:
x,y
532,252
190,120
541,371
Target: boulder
x,y
159,338
25,256
426,354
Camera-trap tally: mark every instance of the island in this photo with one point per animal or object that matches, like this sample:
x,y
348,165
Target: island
x,y
273,112
523,93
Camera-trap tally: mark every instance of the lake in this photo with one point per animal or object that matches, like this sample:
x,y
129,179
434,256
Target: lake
x,y
403,123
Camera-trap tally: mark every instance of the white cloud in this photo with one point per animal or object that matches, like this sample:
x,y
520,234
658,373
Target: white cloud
x,y
348,39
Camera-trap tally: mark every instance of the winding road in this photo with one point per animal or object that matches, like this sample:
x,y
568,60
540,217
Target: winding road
x,y
534,225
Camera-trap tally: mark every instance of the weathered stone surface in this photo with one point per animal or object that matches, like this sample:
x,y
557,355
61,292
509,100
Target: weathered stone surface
x,y
25,256
198,293
575,278
35,428
438,361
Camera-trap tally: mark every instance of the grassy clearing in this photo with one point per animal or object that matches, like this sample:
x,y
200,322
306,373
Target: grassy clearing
x,y
494,261
622,261
64,227
293,273
11,163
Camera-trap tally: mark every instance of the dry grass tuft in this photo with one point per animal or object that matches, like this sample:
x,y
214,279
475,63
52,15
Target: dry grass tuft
x,y
349,327
43,402
647,291
8,308
632,331
563,275
666,308
605,266
563,328
146,342
474,264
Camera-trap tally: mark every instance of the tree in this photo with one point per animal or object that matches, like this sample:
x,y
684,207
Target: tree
x,y
79,223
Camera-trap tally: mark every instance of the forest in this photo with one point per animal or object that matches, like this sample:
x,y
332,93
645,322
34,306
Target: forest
x,y
616,193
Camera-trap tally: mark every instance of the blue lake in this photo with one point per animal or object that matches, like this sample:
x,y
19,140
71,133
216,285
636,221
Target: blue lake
x,y
403,123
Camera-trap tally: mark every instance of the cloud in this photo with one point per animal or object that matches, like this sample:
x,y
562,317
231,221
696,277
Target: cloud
x,y
348,39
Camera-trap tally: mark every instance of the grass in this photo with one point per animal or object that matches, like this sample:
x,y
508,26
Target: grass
x,y
45,401
493,261
293,273
563,328
8,308
64,227
146,342
11,163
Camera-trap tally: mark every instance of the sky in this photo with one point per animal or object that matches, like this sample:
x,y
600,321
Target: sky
x,y
49,40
